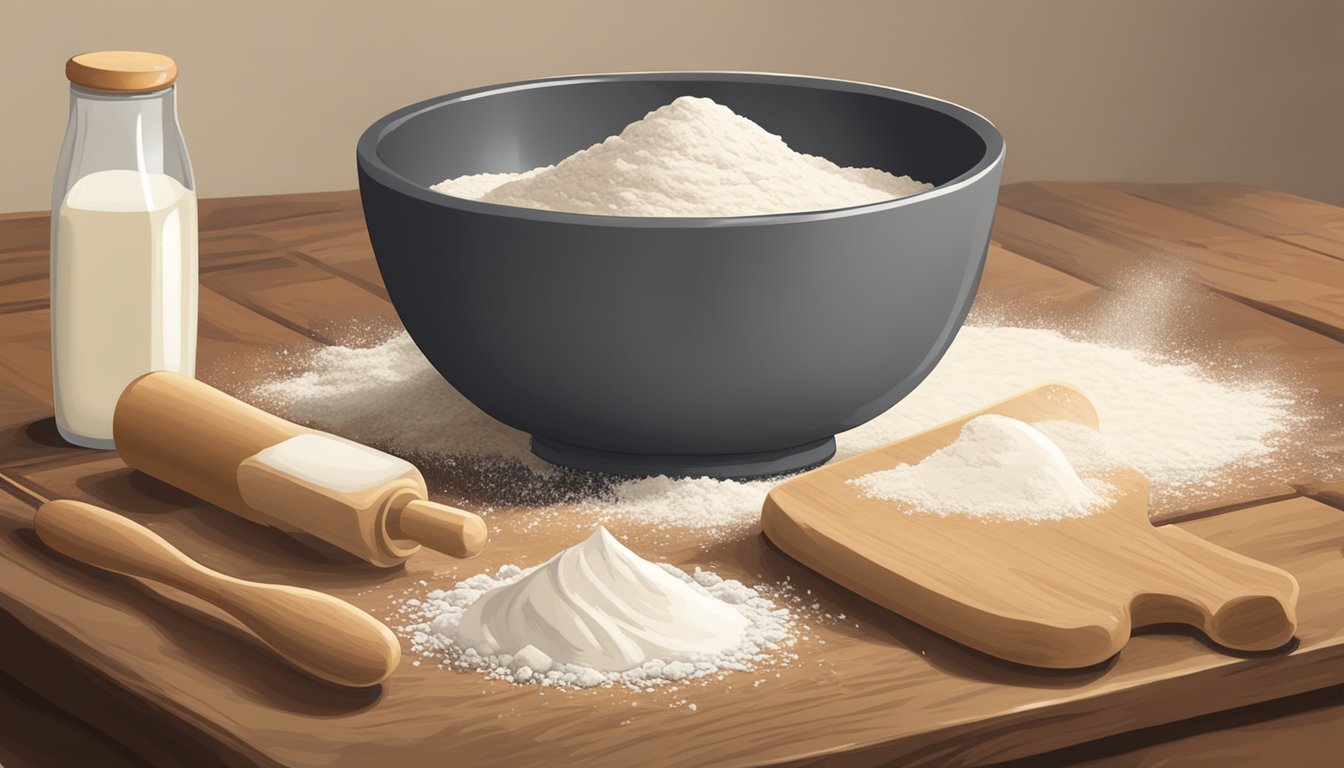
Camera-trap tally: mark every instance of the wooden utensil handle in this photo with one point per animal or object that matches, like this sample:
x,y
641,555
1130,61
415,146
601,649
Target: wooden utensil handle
x,y
192,436
320,634
442,528
1239,602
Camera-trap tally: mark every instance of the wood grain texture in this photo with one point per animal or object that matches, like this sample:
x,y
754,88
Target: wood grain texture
x,y
1301,731
34,733
1014,285
232,341
162,428
1184,318
442,528
315,632
23,274
302,297
1279,215
1060,593
888,688
121,71
181,683
198,439
1310,739
325,230
1207,320
25,364
1307,287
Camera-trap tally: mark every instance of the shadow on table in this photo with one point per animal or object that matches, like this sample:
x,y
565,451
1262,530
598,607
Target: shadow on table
x,y
759,555
199,647
222,540
44,432
1188,631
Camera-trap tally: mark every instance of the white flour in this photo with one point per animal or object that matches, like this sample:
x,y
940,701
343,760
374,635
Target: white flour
x,y
597,605
692,157
997,468
390,397
716,507
1170,419
1088,451
597,614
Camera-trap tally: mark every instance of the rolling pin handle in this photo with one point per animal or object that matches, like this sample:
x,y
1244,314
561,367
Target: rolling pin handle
x,y
442,528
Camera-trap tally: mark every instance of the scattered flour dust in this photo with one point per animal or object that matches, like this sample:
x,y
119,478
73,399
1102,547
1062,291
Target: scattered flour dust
x,y
389,396
597,614
1088,451
692,157
1170,419
997,468
718,508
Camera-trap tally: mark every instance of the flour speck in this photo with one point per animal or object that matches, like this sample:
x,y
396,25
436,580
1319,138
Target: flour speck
x,y
1178,423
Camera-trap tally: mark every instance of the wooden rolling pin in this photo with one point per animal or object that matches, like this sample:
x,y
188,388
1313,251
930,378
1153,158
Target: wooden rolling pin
x,y
317,633
276,473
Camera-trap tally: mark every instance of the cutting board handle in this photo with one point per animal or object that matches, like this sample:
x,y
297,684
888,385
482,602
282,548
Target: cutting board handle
x,y
1238,602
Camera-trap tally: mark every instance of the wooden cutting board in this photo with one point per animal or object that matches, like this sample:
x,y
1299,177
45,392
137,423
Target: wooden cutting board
x,y
1057,593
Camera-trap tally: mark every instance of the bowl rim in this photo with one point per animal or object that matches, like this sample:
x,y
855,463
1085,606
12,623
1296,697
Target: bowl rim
x,y
371,164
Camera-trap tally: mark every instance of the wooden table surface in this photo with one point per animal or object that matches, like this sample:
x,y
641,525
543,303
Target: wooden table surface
x,y
100,669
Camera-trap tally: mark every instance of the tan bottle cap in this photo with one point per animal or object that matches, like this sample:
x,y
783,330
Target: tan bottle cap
x,y
123,71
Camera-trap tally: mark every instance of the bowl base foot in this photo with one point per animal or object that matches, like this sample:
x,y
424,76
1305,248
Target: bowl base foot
x,y
727,466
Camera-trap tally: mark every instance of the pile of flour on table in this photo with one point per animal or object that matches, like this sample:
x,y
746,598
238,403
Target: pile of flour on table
x,y
597,614
692,157
1170,419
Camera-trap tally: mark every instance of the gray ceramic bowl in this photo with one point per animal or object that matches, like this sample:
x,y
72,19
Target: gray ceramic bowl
x,y
728,347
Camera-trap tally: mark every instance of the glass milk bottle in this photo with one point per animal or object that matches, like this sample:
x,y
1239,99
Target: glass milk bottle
x,y
123,240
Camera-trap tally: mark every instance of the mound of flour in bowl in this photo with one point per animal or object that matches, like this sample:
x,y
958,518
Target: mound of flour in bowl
x,y
693,157
597,614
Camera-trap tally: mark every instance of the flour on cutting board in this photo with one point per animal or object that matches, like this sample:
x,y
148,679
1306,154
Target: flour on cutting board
x,y
597,614
1172,420
692,157
997,468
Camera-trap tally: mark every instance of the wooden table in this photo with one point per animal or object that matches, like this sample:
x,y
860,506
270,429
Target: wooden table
x,y
104,670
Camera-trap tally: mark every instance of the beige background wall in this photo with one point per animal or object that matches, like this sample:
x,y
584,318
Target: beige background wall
x,y
274,93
